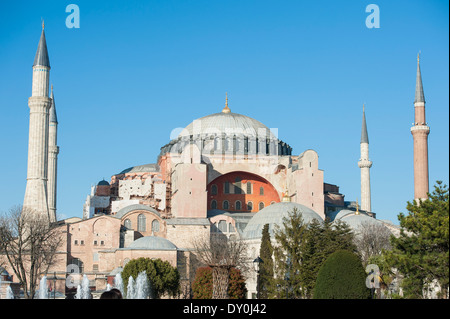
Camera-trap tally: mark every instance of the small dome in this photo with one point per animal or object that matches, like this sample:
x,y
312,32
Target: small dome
x,y
152,243
103,183
273,215
342,213
356,221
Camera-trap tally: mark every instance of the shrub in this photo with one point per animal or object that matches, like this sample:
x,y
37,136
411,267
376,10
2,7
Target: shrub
x,y
162,276
341,276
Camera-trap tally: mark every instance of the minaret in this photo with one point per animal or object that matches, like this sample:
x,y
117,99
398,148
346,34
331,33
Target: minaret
x,y
420,131
53,151
365,164
39,103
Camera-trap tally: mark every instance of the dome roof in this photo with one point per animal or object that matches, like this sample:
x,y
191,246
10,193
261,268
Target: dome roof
x,y
342,213
151,243
227,123
103,183
146,168
273,215
355,221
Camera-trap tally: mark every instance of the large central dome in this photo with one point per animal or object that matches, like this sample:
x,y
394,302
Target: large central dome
x,y
228,133
229,124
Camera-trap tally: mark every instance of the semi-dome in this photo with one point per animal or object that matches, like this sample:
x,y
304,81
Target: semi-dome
x,y
273,215
151,243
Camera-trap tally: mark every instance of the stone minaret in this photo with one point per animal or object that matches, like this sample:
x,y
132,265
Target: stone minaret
x,y
39,103
53,151
365,164
420,131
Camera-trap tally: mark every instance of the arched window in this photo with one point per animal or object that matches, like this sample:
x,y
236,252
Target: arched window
x,y
225,204
155,225
127,223
231,228
250,206
213,204
238,205
214,189
141,222
261,205
261,190
249,188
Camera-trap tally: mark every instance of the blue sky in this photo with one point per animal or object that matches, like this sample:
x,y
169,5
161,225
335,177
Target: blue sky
x,y
136,70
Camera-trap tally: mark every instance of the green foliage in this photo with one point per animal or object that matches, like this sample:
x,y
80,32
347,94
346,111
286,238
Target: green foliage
x,y
341,276
202,286
288,255
302,249
163,277
322,239
266,267
421,252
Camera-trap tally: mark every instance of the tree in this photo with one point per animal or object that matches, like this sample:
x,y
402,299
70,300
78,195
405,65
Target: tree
x,y
341,276
288,255
202,286
266,278
29,243
322,240
163,277
371,240
421,251
221,254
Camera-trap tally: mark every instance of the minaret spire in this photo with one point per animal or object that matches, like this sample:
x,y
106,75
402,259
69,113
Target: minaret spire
x,y
419,87
420,131
365,164
41,57
364,135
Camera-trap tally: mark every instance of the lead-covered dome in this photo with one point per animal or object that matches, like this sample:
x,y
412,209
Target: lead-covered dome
x,y
228,133
229,124
151,243
273,215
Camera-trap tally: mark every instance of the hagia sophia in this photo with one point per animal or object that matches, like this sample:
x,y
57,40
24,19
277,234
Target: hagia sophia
x,y
225,173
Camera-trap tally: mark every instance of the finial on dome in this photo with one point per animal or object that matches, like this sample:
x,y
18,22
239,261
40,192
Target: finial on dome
x,y
286,197
357,207
226,109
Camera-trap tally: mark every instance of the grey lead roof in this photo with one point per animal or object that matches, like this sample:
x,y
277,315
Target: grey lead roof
x,y
41,57
52,112
419,88
364,135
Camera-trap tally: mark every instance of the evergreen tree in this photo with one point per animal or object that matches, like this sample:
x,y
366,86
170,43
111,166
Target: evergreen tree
x,y
421,252
266,267
322,240
341,276
288,255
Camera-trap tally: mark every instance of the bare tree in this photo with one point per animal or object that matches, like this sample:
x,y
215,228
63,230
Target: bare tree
x,y
221,254
371,239
29,243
